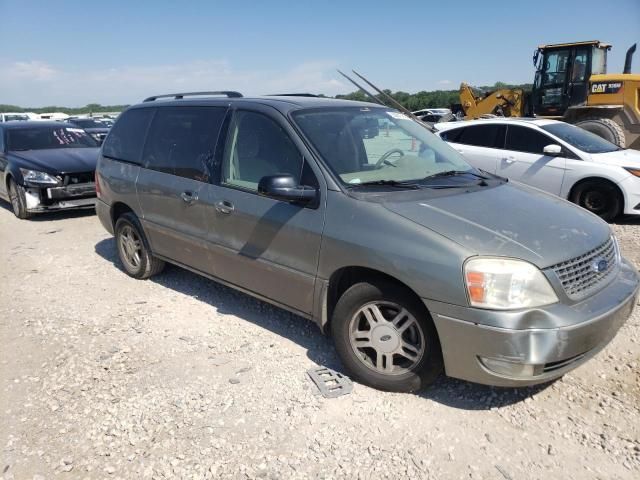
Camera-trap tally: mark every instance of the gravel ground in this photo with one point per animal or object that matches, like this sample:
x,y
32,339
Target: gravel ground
x,y
104,376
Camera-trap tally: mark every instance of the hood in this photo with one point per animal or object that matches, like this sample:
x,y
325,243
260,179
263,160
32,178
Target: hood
x,y
58,160
621,158
509,221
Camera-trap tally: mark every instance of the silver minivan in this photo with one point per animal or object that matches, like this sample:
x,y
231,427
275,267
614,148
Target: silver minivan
x,y
357,217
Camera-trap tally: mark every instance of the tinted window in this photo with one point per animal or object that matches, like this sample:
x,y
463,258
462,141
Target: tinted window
x,y
256,147
126,138
480,136
523,139
451,135
1,140
182,140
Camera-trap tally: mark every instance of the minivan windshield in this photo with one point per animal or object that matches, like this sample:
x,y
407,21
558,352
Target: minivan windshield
x,y
365,145
581,139
40,138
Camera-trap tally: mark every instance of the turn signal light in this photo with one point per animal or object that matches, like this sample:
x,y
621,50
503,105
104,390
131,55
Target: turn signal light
x,y
633,171
475,285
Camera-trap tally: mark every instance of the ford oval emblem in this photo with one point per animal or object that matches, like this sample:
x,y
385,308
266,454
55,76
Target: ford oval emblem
x,y
599,265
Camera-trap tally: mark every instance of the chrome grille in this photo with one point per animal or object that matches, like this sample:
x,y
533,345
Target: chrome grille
x,y
582,275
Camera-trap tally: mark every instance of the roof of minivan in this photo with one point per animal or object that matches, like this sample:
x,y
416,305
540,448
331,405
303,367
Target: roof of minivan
x,y
516,120
284,104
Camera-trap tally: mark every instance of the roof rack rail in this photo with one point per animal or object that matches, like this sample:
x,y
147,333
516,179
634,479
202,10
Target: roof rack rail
x,y
293,95
179,96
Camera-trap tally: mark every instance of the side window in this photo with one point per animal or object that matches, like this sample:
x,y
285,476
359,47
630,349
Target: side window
x,y
480,136
452,135
126,138
256,147
1,140
523,139
182,140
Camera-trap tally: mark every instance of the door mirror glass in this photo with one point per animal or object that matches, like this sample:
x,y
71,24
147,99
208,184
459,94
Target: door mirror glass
x,y
285,187
552,150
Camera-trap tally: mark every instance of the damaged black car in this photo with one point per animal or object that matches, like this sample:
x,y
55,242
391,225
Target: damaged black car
x,y
46,166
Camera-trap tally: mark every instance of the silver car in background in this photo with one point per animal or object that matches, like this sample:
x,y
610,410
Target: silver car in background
x,y
358,218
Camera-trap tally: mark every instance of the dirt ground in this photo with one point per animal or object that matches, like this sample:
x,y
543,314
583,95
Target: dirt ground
x,y
104,376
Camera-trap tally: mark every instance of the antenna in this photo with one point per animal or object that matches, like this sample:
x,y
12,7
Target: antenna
x,y
375,99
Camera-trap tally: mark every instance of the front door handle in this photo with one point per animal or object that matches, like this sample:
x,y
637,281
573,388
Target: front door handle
x,y
224,206
508,160
189,197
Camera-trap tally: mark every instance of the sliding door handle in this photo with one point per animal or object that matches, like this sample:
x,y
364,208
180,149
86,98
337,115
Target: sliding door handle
x,y
189,197
224,206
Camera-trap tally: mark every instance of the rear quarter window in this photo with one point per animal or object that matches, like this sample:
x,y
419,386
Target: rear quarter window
x,y
480,135
126,139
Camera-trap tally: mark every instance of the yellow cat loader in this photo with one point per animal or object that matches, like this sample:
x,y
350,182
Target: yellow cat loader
x,y
571,84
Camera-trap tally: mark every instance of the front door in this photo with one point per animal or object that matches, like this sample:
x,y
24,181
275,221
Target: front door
x,y
523,160
172,183
266,246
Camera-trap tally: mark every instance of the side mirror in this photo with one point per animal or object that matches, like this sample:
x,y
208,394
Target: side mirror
x,y
284,187
552,150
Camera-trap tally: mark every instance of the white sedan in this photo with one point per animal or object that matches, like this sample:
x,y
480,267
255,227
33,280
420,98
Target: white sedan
x,y
554,156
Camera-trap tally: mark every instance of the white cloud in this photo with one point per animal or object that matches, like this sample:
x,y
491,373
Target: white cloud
x,y
36,83
444,82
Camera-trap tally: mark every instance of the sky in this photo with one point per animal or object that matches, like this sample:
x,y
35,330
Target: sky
x,y
71,53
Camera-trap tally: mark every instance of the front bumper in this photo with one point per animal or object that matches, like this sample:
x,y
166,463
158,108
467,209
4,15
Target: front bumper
x,y
60,198
583,330
631,190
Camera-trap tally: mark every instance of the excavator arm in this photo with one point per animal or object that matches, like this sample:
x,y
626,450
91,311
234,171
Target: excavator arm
x,y
504,102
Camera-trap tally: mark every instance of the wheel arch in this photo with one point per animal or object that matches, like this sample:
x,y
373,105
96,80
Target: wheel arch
x,y
595,178
343,278
117,209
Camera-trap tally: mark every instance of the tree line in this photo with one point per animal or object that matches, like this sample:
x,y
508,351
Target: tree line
x,y
411,101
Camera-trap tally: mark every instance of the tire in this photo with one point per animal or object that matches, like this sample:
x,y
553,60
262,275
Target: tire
x,y
605,128
18,200
599,197
133,248
361,360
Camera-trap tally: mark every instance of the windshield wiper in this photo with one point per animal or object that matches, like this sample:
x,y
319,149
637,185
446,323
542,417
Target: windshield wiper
x,y
453,173
387,183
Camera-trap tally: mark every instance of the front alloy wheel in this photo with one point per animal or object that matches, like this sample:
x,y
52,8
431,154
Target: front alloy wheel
x,y
386,338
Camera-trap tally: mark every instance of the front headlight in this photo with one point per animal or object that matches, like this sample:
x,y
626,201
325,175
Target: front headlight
x,y
38,178
505,284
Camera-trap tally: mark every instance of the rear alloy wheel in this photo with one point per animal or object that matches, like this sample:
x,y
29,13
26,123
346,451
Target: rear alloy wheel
x,y
386,338
18,199
133,249
599,197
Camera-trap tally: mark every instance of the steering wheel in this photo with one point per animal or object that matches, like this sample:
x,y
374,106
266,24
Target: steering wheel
x,y
383,159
